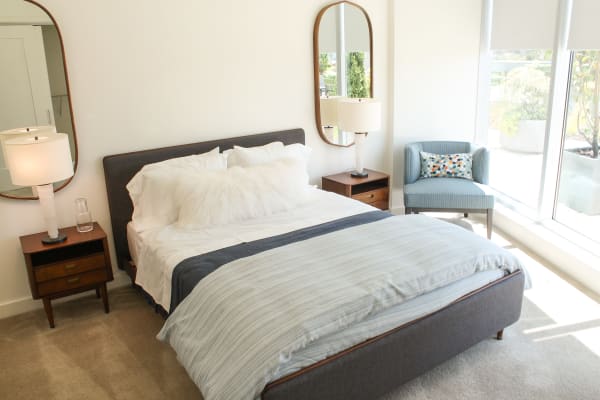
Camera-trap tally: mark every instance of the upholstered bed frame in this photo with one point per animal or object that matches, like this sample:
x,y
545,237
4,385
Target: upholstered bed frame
x,y
367,370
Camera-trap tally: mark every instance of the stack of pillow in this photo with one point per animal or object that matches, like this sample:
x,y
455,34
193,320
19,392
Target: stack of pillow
x,y
216,188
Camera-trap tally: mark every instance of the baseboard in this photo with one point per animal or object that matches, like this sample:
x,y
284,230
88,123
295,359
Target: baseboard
x,y
26,304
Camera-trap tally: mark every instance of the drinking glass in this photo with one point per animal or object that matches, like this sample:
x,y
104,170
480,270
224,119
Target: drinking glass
x,y
83,217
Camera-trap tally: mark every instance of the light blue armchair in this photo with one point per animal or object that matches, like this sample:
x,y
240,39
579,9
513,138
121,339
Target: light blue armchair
x,y
448,194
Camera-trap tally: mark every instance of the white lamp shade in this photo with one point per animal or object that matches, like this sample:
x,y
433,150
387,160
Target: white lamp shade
x,y
39,160
39,130
329,110
359,115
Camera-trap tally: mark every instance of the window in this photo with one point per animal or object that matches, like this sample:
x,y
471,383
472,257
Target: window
x,y
541,161
519,86
578,204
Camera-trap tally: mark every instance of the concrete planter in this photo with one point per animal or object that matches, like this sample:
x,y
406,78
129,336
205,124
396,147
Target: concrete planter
x,y
580,183
529,137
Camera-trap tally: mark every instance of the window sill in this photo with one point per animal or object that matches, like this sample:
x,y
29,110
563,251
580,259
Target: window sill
x,y
572,254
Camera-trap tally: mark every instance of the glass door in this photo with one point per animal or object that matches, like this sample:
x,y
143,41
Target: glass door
x,y
578,199
519,89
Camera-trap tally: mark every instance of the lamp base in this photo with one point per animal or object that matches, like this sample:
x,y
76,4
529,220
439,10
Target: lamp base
x,y
60,238
356,174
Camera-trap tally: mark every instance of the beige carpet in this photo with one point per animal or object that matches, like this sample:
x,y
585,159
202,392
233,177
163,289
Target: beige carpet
x,y
551,353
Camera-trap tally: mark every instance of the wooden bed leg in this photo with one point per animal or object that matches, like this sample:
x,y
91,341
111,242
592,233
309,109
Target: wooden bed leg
x,y
500,334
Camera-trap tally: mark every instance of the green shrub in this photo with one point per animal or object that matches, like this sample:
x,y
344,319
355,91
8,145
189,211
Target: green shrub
x,y
525,98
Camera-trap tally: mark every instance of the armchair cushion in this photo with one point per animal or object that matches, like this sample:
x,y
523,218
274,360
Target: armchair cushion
x,y
458,165
412,158
447,193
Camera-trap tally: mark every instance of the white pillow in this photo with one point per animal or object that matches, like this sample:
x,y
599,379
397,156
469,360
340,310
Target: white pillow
x,y
209,160
247,156
238,194
156,206
298,151
152,189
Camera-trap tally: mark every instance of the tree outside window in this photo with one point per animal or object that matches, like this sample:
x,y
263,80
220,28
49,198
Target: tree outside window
x,y
585,104
358,85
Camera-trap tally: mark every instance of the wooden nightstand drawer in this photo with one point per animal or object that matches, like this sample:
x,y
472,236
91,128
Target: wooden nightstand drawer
x,y
69,267
382,205
77,264
72,282
372,196
373,189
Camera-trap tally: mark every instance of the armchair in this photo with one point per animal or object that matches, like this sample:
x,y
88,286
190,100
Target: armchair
x,y
448,194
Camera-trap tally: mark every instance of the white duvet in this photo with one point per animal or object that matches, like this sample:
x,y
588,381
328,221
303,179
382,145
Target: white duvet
x,y
247,318
158,251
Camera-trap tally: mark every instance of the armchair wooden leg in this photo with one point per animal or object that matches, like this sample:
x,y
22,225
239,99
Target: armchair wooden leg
x,y
407,210
490,215
466,215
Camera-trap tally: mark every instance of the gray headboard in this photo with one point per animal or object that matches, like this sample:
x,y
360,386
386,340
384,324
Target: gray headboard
x,y
120,168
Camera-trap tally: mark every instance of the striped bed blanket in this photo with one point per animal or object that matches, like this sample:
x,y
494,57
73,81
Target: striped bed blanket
x,y
243,320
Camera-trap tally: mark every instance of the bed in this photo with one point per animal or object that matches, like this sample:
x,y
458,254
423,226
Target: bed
x,y
368,369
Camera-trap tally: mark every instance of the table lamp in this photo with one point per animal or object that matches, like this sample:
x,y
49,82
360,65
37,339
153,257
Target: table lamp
x,y
359,116
40,161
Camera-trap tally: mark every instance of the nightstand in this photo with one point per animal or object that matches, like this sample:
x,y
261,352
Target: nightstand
x,y
80,263
373,189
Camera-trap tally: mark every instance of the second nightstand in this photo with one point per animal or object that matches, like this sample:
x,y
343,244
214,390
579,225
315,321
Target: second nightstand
x,y
373,189
80,263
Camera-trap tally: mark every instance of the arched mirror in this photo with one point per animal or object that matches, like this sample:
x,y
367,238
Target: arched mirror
x,y
34,85
343,64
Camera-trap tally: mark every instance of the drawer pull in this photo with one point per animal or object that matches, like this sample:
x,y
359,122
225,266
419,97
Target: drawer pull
x,y
69,267
73,280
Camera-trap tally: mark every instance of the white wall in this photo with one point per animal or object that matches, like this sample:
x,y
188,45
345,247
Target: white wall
x,y
149,73
436,57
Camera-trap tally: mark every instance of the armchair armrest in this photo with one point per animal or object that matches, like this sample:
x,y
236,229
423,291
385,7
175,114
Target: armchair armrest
x,y
481,164
412,162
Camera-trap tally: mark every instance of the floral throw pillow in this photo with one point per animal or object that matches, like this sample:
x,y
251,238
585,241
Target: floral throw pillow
x,y
458,165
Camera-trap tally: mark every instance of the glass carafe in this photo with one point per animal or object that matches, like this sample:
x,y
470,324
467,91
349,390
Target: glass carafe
x,y
83,217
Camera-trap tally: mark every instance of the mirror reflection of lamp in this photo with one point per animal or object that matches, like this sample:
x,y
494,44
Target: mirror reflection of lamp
x,y
26,131
329,111
39,161
359,116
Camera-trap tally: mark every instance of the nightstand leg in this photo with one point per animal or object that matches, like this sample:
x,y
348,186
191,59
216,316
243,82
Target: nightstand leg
x,y
49,313
104,295
97,293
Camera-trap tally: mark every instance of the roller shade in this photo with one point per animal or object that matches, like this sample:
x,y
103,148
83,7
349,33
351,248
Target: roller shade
x,y
524,24
328,32
356,30
584,33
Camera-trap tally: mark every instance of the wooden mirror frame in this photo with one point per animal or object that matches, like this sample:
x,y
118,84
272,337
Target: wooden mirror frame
x,y
67,84
317,92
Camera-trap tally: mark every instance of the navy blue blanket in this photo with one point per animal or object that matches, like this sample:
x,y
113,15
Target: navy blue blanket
x,y
191,270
